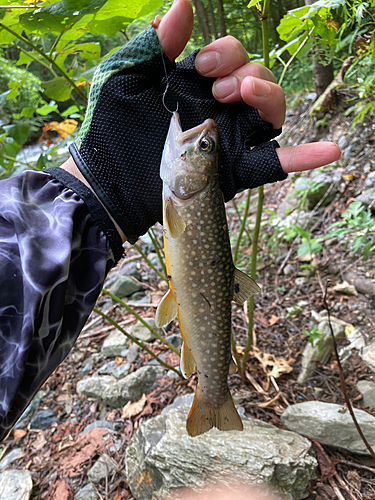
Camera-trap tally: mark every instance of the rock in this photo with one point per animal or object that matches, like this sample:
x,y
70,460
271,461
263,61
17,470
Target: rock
x,y
328,424
312,355
87,492
367,389
43,420
141,332
175,340
13,455
368,356
117,392
345,288
301,281
30,409
131,269
325,193
162,457
114,344
367,197
15,485
370,180
86,366
357,341
122,370
288,269
98,423
132,353
103,468
172,374
343,142
111,368
125,286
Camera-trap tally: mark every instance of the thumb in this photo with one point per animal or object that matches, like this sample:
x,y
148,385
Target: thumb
x,y
175,28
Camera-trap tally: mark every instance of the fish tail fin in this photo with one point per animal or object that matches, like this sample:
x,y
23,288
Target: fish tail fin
x,y
203,417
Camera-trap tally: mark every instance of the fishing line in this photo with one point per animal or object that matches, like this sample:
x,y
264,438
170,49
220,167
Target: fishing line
x,y
167,87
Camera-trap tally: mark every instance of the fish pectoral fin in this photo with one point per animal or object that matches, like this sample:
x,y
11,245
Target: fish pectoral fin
x,y
187,361
232,367
176,226
244,287
203,417
166,310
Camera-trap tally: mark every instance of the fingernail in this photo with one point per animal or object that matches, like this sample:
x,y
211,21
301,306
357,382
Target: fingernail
x,y
207,61
225,87
260,87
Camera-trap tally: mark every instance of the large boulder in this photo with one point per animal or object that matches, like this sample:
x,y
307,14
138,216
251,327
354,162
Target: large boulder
x,y
161,457
330,424
16,485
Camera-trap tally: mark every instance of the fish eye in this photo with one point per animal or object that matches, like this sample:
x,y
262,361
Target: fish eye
x,y
207,145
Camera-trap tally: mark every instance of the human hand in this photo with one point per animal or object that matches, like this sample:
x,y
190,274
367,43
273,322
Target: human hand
x,y
239,80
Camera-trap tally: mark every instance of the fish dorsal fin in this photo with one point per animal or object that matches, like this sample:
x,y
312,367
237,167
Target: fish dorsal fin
x,y
176,226
166,310
203,417
232,367
244,287
187,361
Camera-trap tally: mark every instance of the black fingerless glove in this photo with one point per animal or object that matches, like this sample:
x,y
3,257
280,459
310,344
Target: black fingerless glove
x,y
121,141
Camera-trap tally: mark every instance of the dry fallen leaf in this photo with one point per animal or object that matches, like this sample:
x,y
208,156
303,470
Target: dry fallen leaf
x,y
274,319
346,288
19,434
132,409
278,365
63,129
118,360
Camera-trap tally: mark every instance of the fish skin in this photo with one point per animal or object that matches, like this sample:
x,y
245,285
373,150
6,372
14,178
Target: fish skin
x,y
200,270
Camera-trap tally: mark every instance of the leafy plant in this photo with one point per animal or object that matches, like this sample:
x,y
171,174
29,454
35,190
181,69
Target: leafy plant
x,y
356,220
314,337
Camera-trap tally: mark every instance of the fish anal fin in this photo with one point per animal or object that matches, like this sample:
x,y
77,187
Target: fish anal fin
x,y
203,417
187,361
176,226
166,310
232,367
244,287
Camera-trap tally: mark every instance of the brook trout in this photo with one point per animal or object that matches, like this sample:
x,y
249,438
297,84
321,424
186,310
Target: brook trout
x,y
202,277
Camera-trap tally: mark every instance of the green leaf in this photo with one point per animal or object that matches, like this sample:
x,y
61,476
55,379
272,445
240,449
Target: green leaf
x,y
88,51
57,89
367,249
357,243
69,111
47,109
304,248
17,132
28,111
42,162
4,98
252,3
23,59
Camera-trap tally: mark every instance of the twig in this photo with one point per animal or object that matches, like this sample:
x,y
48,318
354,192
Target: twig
x,y
345,486
342,378
336,488
355,262
358,466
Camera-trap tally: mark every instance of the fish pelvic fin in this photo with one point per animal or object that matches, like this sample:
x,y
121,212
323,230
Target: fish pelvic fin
x,y
166,310
244,287
187,361
203,417
176,226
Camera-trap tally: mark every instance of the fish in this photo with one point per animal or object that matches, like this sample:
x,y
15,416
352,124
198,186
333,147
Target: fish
x,y
201,275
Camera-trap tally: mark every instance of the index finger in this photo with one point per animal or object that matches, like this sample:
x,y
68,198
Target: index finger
x,y
224,56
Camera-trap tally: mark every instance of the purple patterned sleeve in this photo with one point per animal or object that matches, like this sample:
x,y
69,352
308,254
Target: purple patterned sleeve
x,y
53,260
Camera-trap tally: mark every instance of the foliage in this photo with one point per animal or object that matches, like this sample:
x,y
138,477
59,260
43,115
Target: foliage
x,y
356,222
314,337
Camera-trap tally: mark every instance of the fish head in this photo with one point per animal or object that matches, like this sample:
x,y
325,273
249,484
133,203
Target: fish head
x,y
189,163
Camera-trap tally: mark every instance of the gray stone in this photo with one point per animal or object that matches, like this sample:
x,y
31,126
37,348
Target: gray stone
x,y
367,389
103,468
326,192
43,420
368,356
30,409
343,142
122,370
172,374
330,424
288,269
86,366
131,269
114,344
125,286
117,392
301,281
132,353
367,197
161,457
141,332
175,340
13,455
87,492
370,180
16,485
317,353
